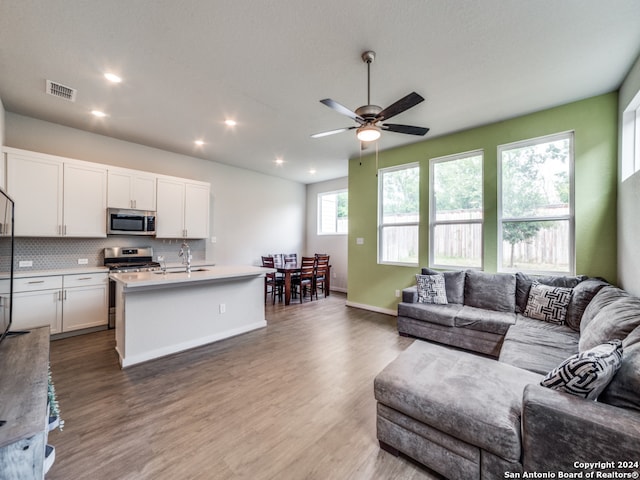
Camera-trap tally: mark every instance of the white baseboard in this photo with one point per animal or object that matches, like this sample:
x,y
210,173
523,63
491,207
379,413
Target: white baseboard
x,y
386,311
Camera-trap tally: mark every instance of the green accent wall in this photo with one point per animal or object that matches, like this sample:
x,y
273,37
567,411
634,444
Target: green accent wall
x,y
595,124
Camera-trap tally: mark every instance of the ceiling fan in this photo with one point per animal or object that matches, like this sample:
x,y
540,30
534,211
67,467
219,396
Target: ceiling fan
x,y
369,116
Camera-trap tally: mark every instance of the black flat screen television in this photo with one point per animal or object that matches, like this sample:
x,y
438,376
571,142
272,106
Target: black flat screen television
x,y
6,263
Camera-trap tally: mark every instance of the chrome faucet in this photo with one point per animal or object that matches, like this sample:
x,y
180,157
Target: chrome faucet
x,y
186,255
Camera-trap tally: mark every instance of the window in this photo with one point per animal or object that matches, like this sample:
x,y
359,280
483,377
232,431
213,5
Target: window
x,y
456,211
333,215
536,205
398,214
631,138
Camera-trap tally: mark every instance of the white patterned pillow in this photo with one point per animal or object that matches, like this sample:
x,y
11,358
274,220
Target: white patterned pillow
x,y
548,303
588,373
431,289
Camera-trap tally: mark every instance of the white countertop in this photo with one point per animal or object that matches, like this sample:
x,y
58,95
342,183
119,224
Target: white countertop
x,y
198,274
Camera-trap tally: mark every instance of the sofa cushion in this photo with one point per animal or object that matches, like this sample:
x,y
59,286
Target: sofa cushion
x,y
440,314
581,296
484,320
472,398
614,321
431,289
524,281
606,296
491,291
624,389
588,373
548,303
453,282
537,346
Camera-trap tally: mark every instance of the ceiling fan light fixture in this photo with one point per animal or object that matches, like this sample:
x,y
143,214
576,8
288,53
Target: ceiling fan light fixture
x,y
368,133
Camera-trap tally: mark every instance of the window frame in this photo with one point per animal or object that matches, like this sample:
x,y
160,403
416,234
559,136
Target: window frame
x,y
382,225
570,217
432,210
319,212
630,133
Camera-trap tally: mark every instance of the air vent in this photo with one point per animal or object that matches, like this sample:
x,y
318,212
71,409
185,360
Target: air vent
x,y
62,91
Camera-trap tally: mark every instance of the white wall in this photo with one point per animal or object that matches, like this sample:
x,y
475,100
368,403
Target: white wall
x,y
629,200
334,245
251,213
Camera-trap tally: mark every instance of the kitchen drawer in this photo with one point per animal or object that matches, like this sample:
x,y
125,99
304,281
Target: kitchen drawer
x,y
30,284
83,279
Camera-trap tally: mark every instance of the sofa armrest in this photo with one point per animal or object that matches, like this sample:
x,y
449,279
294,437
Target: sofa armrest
x,y
410,294
559,430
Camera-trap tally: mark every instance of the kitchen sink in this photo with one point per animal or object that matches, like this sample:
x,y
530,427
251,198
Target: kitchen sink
x,y
182,271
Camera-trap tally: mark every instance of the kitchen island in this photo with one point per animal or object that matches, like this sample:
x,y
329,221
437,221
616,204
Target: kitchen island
x,y
159,313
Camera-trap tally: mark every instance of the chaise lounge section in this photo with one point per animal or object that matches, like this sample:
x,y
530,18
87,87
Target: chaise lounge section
x,y
472,406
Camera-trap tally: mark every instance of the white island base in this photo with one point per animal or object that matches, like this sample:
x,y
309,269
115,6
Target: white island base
x,y
160,314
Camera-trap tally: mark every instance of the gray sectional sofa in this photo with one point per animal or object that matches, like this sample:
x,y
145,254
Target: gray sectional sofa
x,y
471,405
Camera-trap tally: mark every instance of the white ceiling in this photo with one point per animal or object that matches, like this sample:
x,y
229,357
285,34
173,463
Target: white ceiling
x,y
189,64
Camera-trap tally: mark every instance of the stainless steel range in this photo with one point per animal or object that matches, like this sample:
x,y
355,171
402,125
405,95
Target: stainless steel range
x,y
126,259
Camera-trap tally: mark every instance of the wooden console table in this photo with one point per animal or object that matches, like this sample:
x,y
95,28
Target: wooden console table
x,y
24,361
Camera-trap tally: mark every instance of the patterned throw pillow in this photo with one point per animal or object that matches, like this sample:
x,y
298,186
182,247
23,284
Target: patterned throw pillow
x,y
548,303
588,373
431,289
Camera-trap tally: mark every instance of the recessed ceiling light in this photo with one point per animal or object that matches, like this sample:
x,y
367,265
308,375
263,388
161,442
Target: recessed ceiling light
x,y
98,113
199,142
279,161
112,77
230,123
312,171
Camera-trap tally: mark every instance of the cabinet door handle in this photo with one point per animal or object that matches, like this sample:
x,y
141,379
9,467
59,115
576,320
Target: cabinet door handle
x,y
35,281
65,295
65,230
59,295
85,278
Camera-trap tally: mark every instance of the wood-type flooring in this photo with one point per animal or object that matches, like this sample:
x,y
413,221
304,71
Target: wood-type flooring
x,y
291,401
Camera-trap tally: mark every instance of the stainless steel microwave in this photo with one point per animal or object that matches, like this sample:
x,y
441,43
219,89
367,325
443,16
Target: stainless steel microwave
x,y
123,221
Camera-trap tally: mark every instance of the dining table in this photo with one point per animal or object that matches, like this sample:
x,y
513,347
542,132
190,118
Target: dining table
x,y
289,270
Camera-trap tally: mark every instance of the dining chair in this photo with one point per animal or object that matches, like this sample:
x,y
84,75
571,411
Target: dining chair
x,y
291,260
321,273
305,282
278,260
272,283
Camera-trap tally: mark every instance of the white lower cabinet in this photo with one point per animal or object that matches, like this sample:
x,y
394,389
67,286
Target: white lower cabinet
x,y
63,302
85,301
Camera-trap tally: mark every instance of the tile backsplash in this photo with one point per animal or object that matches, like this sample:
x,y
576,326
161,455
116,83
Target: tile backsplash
x,y
62,253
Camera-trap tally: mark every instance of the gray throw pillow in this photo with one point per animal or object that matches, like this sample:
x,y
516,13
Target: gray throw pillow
x,y
615,320
624,389
586,374
606,296
453,282
491,291
431,289
524,282
547,303
581,296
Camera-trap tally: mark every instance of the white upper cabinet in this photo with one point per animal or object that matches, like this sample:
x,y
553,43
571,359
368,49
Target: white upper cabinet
x,y
85,200
131,189
196,210
56,196
182,208
35,184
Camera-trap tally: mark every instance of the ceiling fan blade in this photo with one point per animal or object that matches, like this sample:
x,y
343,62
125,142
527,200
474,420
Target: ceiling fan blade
x,y
400,106
342,109
408,129
331,132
